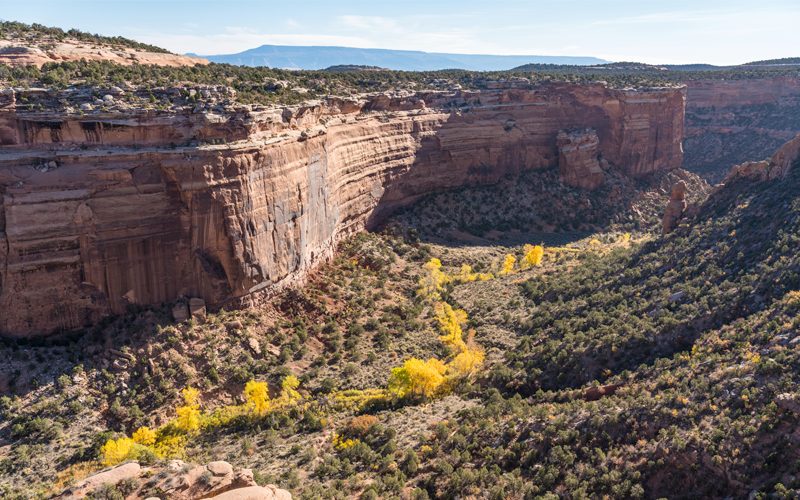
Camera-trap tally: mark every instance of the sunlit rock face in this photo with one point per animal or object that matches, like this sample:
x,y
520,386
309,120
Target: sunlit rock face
x,y
89,224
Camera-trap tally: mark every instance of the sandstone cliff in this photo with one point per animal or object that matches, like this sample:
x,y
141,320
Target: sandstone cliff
x,y
16,54
731,121
89,224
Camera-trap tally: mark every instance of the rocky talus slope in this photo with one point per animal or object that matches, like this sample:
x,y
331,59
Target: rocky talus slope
x,y
105,203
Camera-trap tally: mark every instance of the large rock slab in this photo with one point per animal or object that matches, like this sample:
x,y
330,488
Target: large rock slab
x,y
112,475
255,493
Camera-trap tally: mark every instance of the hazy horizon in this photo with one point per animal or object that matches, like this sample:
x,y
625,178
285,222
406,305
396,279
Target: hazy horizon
x,y
681,32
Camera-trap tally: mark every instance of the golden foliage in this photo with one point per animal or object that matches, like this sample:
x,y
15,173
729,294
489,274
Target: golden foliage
x,y
508,264
257,394
75,473
189,415
431,282
450,322
114,452
467,275
533,256
171,447
289,392
144,436
418,378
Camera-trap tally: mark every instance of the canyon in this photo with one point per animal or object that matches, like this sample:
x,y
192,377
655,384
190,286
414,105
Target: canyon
x,y
118,207
732,121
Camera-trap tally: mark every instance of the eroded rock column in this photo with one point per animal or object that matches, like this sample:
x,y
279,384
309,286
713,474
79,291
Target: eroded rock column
x,y
577,158
675,208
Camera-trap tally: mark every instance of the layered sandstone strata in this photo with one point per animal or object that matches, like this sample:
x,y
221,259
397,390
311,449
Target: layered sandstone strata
x,y
85,232
731,121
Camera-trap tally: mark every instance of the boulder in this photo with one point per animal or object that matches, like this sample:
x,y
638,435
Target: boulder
x,y
233,325
180,312
197,308
595,393
269,492
787,401
253,344
199,482
112,475
243,478
220,468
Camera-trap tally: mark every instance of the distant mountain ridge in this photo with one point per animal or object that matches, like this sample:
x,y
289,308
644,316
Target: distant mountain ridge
x,y
321,57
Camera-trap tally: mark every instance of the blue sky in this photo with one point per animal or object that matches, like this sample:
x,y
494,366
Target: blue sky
x,y
675,31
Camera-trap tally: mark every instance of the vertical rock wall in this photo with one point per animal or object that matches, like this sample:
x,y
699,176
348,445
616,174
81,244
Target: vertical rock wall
x,y
235,224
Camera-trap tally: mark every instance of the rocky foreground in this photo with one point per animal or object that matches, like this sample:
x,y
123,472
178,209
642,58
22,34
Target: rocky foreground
x,y
177,481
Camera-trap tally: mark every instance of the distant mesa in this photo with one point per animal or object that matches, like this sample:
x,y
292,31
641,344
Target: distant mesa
x,y
354,67
324,57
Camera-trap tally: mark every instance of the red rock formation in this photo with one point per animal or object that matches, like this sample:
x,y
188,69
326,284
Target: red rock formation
x,y
724,93
180,482
777,166
730,121
596,393
14,54
95,230
675,208
577,159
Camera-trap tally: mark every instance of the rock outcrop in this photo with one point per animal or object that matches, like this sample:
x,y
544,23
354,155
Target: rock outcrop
x,y
15,54
775,167
130,214
577,158
675,208
178,481
598,392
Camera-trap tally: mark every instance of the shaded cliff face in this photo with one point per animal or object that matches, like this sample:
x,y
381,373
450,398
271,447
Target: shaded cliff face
x,y
729,122
84,236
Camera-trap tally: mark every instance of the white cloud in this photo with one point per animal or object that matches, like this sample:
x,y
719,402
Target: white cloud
x,y
291,23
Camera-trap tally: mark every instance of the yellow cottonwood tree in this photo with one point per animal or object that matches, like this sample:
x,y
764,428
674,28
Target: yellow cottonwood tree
x,y
257,394
508,264
114,452
466,363
419,378
431,282
289,392
450,322
467,275
189,415
533,256
145,436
